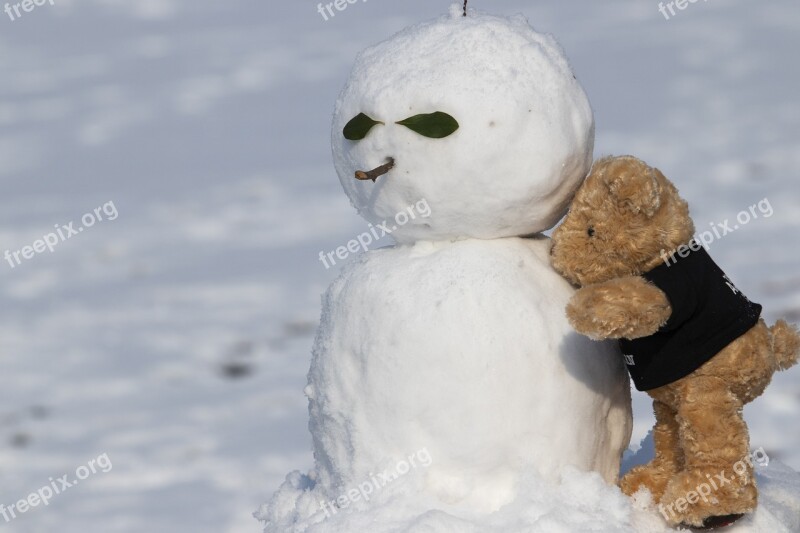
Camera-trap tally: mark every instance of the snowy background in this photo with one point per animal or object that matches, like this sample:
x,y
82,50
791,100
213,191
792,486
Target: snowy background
x,y
177,337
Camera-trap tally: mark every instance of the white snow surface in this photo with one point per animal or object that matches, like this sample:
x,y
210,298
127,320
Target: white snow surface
x,y
577,502
461,349
525,136
456,358
208,123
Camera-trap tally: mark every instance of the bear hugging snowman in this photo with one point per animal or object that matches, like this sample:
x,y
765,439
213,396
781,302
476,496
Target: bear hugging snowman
x,y
447,390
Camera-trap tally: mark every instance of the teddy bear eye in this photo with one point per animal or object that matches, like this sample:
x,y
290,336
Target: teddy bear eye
x,y
590,231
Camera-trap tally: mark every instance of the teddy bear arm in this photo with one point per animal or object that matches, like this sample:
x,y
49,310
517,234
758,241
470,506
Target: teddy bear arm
x,y
629,308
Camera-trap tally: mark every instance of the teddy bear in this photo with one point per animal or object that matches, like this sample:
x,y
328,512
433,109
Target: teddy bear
x,y
690,338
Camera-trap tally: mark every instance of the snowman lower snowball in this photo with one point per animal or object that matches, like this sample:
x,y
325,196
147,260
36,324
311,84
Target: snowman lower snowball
x,y
452,347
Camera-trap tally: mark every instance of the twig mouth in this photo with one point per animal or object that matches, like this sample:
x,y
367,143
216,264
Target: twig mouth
x,y
375,172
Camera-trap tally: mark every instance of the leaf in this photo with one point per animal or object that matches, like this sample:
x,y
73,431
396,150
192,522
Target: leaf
x,y
358,127
434,125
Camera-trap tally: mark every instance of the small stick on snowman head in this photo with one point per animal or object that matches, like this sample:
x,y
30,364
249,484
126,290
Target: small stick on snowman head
x,y
465,7
375,172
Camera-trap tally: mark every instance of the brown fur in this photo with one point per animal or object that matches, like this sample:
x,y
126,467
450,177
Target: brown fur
x,y
623,221
630,306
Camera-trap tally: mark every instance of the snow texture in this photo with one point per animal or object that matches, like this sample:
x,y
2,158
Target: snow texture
x,y
525,138
462,349
519,399
177,338
577,502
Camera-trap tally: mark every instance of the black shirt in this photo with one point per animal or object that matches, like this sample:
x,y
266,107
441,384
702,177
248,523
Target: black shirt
x,y
708,313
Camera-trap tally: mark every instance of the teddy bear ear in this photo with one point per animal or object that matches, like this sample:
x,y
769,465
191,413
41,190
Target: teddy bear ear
x,y
636,187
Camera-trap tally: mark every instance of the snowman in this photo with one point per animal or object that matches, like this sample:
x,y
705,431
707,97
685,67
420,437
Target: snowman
x,y
454,341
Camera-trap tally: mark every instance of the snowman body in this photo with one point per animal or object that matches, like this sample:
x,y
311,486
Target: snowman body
x,y
461,349
455,341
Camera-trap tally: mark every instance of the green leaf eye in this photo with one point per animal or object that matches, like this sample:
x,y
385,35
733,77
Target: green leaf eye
x,y
434,125
358,127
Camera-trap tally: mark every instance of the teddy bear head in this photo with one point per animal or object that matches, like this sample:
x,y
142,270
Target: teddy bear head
x,y
623,221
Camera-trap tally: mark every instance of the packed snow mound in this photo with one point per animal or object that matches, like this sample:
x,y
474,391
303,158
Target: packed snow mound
x,y
462,349
457,358
577,502
525,136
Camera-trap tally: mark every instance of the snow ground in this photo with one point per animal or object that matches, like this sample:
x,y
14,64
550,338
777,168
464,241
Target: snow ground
x,y
176,338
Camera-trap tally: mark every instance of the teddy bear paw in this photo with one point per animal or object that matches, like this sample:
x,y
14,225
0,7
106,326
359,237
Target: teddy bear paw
x,y
652,476
693,498
627,308
599,320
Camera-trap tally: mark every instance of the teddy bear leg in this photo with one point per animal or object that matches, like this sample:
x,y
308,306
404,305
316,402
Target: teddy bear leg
x,y
668,459
718,479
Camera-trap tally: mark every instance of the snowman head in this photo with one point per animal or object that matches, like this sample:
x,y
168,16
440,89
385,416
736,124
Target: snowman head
x,y
477,118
